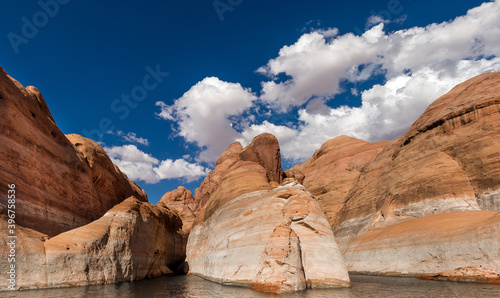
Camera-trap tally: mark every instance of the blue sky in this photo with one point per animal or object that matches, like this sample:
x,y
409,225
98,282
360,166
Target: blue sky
x,y
166,86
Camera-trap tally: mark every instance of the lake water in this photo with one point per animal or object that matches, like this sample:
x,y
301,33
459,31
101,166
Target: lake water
x,y
193,286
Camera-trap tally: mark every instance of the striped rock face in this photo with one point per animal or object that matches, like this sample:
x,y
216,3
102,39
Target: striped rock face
x,y
274,240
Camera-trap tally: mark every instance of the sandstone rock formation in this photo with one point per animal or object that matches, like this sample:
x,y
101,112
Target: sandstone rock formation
x,y
381,198
182,201
131,241
61,187
256,233
448,161
271,240
333,170
428,245
74,224
245,168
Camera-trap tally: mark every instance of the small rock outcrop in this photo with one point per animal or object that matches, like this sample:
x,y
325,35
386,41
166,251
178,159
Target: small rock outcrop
x,y
477,274
132,241
254,232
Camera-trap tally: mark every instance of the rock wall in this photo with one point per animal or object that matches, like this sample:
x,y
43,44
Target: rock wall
x,y
448,161
429,245
58,187
132,241
74,223
381,198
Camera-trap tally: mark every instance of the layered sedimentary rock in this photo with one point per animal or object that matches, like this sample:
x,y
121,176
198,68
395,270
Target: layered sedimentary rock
x,y
73,222
261,156
61,187
131,241
428,245
448,161
255,233
182,201
333,170
445,170
271,240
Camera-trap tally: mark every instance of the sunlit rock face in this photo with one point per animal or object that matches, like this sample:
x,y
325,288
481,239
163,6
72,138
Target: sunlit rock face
x,y
255,232
78,218
61,182
381,198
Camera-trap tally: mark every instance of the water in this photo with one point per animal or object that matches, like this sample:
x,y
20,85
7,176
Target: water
x,y
193,286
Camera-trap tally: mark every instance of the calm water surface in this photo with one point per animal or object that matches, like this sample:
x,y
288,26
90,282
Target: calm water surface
x,y
192,286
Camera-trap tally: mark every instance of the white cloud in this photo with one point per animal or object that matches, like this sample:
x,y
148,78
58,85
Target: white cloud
x,y
282,133
203,114
419,64
132,137
142,166
316,66
376,19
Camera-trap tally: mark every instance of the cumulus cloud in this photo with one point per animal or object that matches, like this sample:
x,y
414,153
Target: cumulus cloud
x,y
417,65
203,114
316,66
142,166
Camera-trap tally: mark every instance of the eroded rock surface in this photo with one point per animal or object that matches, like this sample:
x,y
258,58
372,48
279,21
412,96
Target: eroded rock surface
x,y
428,245
131,241
61,187
74,224
448,162
238,170
271,240
182,201
333,170
477,274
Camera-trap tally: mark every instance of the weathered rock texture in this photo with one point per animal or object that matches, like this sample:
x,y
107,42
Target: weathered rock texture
x,y
380,196
182,201
428,245
131,241
271,240
74,223
333,170
257,166
469,274
62,186
253,232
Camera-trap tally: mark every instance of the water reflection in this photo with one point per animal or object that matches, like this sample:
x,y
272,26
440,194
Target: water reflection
x,y
192,286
